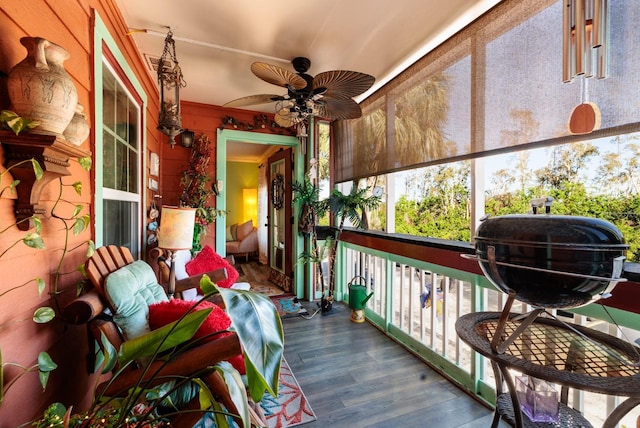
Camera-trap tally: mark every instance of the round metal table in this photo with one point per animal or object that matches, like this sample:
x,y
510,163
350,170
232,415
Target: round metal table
x,y
567,354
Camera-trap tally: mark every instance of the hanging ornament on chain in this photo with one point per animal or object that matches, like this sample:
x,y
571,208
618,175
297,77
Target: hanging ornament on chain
x,y
302,135
170,80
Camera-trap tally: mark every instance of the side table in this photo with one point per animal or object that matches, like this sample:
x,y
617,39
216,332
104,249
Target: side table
x,y
567,354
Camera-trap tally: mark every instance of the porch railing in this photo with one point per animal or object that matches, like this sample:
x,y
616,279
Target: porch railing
x,y
417,302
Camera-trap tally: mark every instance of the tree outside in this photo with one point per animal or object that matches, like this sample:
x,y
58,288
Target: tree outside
x,y
592,179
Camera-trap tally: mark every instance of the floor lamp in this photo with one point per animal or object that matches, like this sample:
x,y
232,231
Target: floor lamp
x,y
175,233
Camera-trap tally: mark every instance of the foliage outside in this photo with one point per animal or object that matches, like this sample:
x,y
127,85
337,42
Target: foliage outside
x,y
437,201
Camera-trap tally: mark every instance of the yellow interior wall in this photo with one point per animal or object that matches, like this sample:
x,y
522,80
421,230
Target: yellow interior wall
x,y
240,175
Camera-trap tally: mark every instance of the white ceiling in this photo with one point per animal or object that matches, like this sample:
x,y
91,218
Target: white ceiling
x,y
217,40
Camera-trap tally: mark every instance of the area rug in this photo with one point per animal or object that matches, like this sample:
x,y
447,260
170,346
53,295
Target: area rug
x,y
289,409
288,306
269,290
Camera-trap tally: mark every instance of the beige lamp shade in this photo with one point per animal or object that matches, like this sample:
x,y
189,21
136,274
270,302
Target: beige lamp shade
x,y
176,228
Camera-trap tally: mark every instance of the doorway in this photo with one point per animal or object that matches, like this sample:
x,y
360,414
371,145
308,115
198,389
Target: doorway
x,y
228,136
280,219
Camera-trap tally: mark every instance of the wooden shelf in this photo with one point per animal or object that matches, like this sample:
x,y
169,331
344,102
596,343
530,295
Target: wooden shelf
x,y
51,152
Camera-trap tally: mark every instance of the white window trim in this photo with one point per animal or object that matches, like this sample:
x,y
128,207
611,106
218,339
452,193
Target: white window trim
x,y
103,37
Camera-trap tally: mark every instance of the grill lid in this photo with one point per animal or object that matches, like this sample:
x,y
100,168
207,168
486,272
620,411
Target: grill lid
x,y
551,260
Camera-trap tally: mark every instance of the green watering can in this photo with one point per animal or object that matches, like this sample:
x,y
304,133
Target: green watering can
x,y
358,294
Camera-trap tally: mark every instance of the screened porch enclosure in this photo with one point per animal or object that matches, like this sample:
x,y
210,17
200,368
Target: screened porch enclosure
x,y
417,302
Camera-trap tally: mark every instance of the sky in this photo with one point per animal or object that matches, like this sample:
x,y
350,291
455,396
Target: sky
x,y
538,159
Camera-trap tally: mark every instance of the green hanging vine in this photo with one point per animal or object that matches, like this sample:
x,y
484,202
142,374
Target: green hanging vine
x,y
197,190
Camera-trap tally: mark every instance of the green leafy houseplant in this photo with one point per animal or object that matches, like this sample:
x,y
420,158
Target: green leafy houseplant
x,y
10,120
33,239
75,224
258,326
351,206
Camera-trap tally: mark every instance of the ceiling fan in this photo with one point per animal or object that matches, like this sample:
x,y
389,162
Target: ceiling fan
x,y
328,95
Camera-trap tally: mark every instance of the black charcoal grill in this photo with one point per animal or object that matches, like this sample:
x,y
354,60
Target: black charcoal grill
x,y
551,261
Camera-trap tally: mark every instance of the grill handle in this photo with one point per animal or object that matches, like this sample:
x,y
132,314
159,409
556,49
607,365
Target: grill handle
x,y
617,262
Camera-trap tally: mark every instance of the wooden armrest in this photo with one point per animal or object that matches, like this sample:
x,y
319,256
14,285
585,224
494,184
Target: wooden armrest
x,y
186,364
194,281
84,308
109,329
159,256
156,252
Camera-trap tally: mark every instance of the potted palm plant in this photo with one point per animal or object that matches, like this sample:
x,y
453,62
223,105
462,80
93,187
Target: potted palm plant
x,y
351,207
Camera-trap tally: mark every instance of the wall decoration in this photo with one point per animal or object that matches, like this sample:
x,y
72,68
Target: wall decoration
x,y
277,191
153,184
154,164
260,122
40,88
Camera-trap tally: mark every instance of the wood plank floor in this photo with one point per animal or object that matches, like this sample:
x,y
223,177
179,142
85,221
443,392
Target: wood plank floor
x,y
354,376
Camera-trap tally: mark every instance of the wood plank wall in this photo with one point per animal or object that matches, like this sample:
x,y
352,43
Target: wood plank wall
x,y
69,24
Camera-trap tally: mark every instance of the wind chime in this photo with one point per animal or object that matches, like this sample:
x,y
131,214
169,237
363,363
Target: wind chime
x,y
584,53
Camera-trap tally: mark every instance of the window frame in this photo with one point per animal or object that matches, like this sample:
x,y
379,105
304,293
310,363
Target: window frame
x,y
107,52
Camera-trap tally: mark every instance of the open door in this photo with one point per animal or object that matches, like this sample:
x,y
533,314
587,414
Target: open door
x,y
280,219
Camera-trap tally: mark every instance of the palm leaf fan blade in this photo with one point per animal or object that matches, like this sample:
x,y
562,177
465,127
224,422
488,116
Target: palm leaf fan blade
x,y
337,109
277,75
253,100
343,83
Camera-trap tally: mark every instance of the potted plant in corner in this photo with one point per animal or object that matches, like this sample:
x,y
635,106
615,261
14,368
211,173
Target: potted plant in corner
x,y
351,207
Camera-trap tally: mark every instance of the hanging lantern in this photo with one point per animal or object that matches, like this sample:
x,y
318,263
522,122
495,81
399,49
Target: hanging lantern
x,y
170,80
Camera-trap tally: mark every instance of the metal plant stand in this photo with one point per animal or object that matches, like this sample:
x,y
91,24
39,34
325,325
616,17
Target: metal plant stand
x,y
567,354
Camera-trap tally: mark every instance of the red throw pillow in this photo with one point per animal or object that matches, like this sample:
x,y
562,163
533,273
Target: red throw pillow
x,y
208,260
163,313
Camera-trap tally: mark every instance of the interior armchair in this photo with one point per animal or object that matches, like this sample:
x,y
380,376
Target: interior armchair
x,y
126,298
189,271
242,239
183,282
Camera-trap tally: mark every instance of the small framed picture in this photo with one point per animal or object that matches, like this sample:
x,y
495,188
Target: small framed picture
x,y
154,164
153,184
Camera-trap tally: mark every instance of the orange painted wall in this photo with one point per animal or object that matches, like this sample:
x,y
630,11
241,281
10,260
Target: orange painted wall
x,y
69,24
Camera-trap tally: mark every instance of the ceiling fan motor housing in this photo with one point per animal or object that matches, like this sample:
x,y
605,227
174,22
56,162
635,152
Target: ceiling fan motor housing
x,y
301,64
